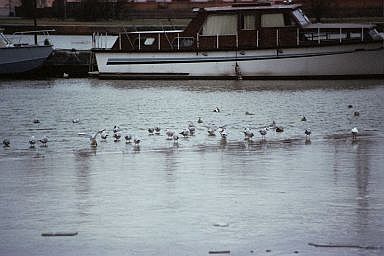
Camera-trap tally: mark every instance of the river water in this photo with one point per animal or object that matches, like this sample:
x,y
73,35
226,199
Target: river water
x,y
203,194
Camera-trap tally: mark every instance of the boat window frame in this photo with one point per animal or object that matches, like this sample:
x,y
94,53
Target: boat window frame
x,y
211,15
242,21
302,14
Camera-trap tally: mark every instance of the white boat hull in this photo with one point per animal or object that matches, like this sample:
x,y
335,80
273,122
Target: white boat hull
x,y
343,60
16,60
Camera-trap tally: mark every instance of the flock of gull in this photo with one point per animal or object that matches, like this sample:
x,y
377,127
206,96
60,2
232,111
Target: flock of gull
x,y
172,135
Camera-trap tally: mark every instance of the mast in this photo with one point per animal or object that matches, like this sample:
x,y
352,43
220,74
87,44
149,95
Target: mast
x,y
34,20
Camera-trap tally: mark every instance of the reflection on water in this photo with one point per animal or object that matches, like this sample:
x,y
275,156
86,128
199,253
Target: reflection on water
x,y
203,193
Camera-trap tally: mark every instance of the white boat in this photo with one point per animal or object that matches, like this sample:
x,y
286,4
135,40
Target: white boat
x,y
247,41
20,58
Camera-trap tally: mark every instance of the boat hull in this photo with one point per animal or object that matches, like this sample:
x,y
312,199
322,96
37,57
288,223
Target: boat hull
x,y
330,61
17,60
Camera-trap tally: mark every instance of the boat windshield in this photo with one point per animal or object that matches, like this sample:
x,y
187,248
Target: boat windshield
x,y
301,17
3,41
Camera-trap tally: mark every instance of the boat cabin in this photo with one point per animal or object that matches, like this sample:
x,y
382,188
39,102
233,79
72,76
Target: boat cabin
x,y
244,27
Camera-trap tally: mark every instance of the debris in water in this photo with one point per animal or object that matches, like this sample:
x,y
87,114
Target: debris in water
x,y
221,224
219,252
60,234
346,246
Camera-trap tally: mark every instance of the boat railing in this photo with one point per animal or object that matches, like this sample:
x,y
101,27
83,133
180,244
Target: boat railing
x,y
250,39
18,38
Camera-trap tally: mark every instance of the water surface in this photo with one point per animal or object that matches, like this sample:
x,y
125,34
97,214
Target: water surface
x,y
203,193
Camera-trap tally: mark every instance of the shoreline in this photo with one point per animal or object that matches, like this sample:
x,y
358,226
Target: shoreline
x,y
72,27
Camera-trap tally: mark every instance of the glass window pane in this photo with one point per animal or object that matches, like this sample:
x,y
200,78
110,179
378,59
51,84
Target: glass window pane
x,y
220,25
272,20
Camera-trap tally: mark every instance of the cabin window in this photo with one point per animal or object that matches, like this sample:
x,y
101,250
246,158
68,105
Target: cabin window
x,y
249,22
220,25
272,20
300,16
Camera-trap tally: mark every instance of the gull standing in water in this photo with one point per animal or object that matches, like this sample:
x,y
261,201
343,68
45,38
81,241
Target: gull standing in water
x,y
354,131
104,135
157,130
169,134
136,142
308,134
116,129
128,138
32,141
217,110
6,143
191,128
248,134
151,131
92,137
211,130
263,133
223,133
44,141
175,138
185,133
117,136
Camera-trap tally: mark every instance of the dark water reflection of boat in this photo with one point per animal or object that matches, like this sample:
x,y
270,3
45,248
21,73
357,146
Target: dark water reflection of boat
x,y
202,194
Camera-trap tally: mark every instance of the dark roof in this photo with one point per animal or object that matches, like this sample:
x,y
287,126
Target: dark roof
x,y
250,7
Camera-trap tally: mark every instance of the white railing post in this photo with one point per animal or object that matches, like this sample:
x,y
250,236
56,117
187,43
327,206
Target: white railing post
x,y
139,42
362,34
318,35
105,40
217,41
340,35
298,36
178,41
237,41
120,41
277,37
197,41
159,41
257,38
